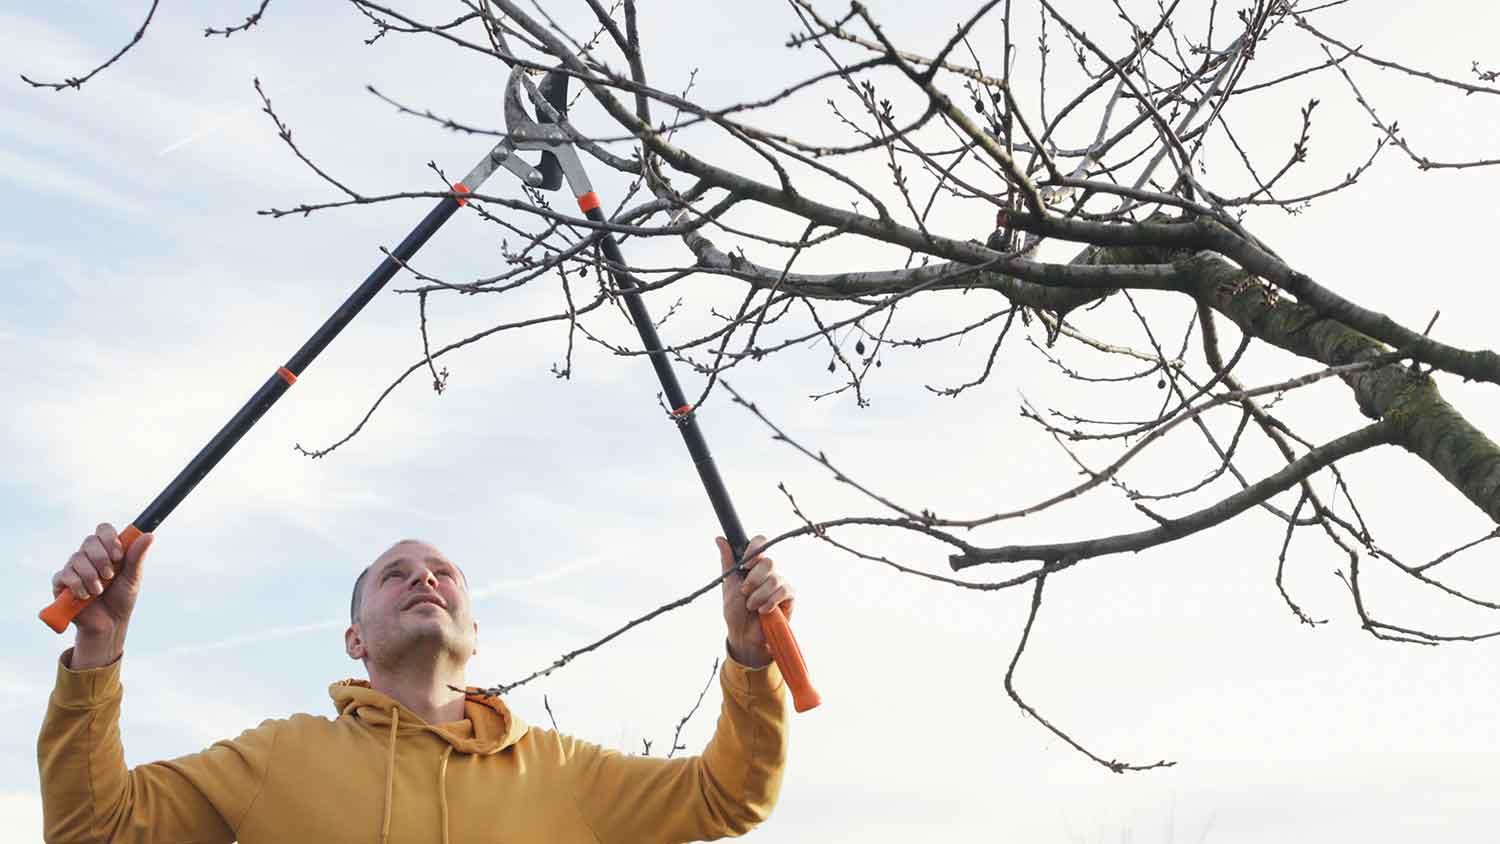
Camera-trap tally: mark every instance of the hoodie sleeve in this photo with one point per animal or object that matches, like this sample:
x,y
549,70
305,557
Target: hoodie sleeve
x,y
89,795
725,791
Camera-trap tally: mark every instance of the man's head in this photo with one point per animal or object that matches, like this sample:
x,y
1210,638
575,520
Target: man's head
x,y
411,603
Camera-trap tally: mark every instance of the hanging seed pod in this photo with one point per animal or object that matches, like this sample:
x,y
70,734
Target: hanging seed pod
x,y
859,346
830,366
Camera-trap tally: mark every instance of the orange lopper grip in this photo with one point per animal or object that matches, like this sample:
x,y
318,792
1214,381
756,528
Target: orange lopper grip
x,y
789,659
67,606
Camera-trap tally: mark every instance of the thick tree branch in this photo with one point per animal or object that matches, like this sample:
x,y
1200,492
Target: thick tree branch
x,y
1379,433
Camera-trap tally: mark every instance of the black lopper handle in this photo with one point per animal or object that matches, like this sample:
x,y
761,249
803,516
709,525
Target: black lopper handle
x,y
778,633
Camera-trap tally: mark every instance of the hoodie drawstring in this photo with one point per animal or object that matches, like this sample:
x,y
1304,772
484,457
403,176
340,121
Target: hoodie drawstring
x,y
443,788
390,778
467,737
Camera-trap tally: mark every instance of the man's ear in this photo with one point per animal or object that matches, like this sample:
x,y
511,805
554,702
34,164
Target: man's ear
x,y
354,645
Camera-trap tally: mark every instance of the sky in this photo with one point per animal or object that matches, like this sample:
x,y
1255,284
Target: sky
x,y
142,299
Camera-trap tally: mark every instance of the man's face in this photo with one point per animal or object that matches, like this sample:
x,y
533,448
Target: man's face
x,y
414,605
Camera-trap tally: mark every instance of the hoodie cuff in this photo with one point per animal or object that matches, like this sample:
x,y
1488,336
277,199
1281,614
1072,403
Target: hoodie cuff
x,y
88,688
745,682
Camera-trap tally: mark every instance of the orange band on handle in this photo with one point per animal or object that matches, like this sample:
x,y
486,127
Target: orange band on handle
x,y
67,606
460,187
789,659
588,202
287,376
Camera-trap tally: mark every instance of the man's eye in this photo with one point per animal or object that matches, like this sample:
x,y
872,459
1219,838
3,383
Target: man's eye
x,y
390,574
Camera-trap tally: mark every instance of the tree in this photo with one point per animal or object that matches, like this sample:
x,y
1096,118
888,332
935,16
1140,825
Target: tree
x,y
960,179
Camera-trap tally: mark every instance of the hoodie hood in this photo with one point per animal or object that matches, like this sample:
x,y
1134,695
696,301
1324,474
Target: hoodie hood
x,y
490,726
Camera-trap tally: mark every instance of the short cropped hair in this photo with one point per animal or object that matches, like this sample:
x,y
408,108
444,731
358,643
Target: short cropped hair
x,y
359,589
359,585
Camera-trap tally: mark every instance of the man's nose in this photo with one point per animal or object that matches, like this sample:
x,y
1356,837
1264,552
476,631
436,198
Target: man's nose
x,y
426,576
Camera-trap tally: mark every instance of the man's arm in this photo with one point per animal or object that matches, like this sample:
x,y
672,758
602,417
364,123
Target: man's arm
x,y
87,792
88,795
727,790
733,784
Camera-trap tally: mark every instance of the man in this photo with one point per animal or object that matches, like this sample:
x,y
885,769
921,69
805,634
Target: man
x,y
409,758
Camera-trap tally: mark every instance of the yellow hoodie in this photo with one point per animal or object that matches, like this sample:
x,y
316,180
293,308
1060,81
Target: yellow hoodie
x,y
378,773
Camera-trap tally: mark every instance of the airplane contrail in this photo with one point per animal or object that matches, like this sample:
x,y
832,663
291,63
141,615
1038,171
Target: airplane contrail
x,y
200,134
494,588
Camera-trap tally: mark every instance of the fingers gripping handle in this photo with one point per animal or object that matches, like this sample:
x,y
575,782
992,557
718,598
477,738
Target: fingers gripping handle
x,y
67,606
789,659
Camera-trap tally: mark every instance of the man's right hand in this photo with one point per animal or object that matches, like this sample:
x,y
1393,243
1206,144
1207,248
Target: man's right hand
x,y
102,569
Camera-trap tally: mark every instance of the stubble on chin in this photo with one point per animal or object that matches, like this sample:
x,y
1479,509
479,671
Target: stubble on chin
x,y
428,638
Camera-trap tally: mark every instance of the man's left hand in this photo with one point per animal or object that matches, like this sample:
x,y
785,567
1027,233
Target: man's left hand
x,y
746,597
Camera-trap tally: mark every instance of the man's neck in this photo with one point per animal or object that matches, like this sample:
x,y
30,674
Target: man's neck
x,y
426,690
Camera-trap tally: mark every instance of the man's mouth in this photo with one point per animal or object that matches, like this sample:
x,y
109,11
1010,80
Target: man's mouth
x,y
435,600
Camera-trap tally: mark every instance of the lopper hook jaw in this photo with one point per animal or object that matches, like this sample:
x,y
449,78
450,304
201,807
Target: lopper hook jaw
x,y
523,134
519,126
559,157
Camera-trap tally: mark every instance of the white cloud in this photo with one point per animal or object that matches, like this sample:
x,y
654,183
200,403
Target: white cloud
x,y
20,692
258,637
21,815
55,182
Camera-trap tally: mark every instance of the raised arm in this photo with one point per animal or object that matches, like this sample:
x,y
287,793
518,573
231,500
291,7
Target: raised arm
x,y
88,794
733,784
726,790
